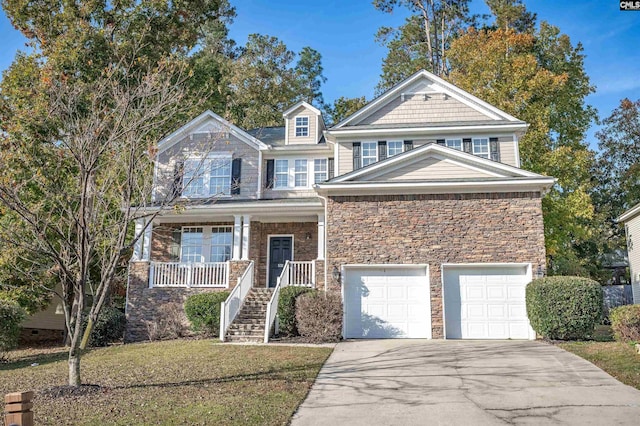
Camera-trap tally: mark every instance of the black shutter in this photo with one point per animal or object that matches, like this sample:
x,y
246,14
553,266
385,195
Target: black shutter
x,y
236,172
357,155
494,149
382,150
408,145
174,249
268,183
330,168
466,146
441,142
178,173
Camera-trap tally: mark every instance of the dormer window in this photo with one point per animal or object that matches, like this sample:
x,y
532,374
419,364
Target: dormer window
x,y
455,144
481,147
302,126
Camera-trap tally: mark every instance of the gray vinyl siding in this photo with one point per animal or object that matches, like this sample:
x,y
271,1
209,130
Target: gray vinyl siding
x,y
438,108
429,169
47,319
200,144
633,249
312,137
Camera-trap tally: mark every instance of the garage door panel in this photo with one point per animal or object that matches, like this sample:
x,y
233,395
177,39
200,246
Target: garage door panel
x,y
395,303
486,302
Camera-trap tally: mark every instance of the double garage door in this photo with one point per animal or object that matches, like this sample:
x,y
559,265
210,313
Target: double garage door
x,y
480,302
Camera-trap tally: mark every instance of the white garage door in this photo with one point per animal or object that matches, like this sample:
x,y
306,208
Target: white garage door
x,y
486,302
382,302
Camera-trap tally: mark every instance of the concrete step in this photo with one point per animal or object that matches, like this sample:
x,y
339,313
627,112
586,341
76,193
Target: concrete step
x,y
245,327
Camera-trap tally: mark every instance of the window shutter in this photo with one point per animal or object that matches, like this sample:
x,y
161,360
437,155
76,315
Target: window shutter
x,y
382,150
466,146
268,183
330,168
441,142
494,149
357,155
174,249
178,173
408,145
236,172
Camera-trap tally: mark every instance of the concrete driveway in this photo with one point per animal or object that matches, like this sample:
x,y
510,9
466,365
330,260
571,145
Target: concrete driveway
x,y
431,382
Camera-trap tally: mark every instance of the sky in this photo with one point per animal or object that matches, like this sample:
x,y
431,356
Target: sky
x,y
343,32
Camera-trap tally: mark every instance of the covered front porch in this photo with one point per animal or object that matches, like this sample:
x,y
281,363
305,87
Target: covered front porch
x,y
212,247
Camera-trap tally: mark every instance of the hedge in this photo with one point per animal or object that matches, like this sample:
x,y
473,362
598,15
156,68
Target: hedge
x,y
564,308
11,316
203,311
287,309
319,316
108,328
625,323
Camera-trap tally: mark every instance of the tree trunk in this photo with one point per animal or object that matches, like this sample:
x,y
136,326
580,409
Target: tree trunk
x,y
74,367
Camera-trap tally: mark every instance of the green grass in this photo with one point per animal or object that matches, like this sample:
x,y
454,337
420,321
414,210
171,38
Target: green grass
x,y
621,360
186,382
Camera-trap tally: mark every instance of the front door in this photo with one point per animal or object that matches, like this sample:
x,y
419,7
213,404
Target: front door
x,y
280,250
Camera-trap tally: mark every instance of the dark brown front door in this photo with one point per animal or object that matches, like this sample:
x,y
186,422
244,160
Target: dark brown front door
x,y
280,250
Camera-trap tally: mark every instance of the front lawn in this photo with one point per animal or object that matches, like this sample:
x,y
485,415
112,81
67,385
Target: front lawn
x,y
186,382
618,359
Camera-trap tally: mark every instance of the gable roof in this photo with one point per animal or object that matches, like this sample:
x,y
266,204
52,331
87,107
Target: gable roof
x,y
494,115
629,214
298,105
199,125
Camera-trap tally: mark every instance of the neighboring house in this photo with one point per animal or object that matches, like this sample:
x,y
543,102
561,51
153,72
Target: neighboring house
x,y
414,208
46,325
631,220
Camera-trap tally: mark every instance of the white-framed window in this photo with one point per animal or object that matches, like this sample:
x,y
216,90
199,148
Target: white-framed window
x,y
207,177
206,244
454,143
300,173
369,153
394,148
319,170
282,174
481,147
302,126
192,245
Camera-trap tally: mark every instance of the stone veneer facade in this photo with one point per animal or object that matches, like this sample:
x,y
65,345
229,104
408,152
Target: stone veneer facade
x,y
434,229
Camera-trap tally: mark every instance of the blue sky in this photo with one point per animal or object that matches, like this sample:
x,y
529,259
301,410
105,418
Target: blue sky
x,y
343,32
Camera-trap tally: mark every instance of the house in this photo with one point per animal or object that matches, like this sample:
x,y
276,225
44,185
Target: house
x,y
631,220
415,208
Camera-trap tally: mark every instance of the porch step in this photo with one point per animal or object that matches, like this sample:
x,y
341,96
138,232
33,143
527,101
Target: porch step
x,y
249,324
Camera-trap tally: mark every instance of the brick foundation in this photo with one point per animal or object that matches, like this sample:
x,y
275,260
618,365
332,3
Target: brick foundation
x,y
434,229
30,336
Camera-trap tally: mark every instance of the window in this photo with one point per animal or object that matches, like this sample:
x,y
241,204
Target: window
x,y
300,173
454,143
394,148
207,177
369,153
481,147
319,170
302,126
206,244
282,174
192,239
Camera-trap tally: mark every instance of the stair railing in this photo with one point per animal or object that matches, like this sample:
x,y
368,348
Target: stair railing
x,y
272,307
230,308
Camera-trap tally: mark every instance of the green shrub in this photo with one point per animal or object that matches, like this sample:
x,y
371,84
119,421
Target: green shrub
x,y
287,309
11,316
203,311
625,323
319,316
108,328
564,308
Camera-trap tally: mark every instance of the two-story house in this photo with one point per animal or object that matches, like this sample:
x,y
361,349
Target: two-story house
x,y
414,208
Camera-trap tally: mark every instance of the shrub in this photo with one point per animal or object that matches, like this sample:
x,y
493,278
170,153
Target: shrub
x,y
287,309
564,308
108,328
203,311
319,316
170,323
625,323
11,316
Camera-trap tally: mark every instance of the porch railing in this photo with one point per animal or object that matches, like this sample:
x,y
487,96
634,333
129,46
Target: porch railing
x,y
272,307
178,274
301,274
229,308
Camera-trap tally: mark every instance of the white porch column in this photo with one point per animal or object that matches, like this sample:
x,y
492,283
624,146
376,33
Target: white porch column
x,y
137,247
146,242
237,237
321,242
246,226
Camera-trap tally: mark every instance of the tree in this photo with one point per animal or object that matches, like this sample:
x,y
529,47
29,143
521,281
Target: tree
x,y
423,40
79,119
343,107
512,14
309,70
